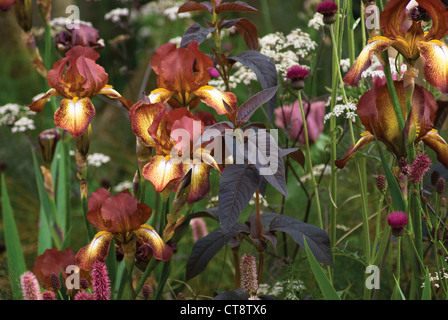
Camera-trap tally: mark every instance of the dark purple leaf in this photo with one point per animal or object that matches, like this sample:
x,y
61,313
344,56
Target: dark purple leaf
x,y
207,247
235,6
246,28
294,153
265,70
236,187
247,109
195,33
195,6
316,238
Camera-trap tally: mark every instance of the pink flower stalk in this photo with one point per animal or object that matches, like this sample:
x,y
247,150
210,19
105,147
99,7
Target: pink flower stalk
x,y
397,220
100,281
289,118
199,228
328,9
84,295
49,295
30,286
249,280
419,167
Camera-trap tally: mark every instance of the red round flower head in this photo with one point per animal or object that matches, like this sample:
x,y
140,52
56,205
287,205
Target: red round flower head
x,y
328,9
297,75
397,220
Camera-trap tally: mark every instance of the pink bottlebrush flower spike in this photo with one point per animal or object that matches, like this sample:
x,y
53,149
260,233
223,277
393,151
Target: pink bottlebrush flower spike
x,y
199,228
30,286
249,280
49,295
419,167
100,281
397,220
84,295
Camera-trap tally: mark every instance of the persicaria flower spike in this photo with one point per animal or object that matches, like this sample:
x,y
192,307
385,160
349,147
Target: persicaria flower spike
x,y
440,185
249,282
328,9
30,286
84,295
100,281
381,182
419,167
397,220
49,295
199,228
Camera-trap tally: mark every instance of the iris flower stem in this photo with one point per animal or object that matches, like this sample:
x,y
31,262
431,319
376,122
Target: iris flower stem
x,y
310,162
360,172
149,268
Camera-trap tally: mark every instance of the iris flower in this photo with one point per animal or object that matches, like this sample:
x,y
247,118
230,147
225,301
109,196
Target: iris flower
x,y
122,218
156,128
77,83
182,77
411,41
376,112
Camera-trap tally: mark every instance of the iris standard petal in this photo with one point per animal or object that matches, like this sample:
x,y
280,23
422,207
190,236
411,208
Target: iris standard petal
x,y
74,115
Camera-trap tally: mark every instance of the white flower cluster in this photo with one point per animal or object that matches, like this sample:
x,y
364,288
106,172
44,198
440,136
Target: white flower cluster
x,y
347,110
116,14
289,288
124,185
16,116
316,22
97,159
167,8
288,50
172,15
438,276
284,50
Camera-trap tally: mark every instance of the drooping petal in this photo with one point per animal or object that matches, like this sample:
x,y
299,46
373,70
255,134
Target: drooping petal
x,y
214,98
39,104
74,115
160,95
200,185
366,138
161,171
110,92
364,60
97,249
377,114
160,250
142,116
435,54
433,140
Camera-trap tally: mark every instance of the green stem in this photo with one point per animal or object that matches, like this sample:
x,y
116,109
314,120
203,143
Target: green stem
x,y
149,268
310,162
